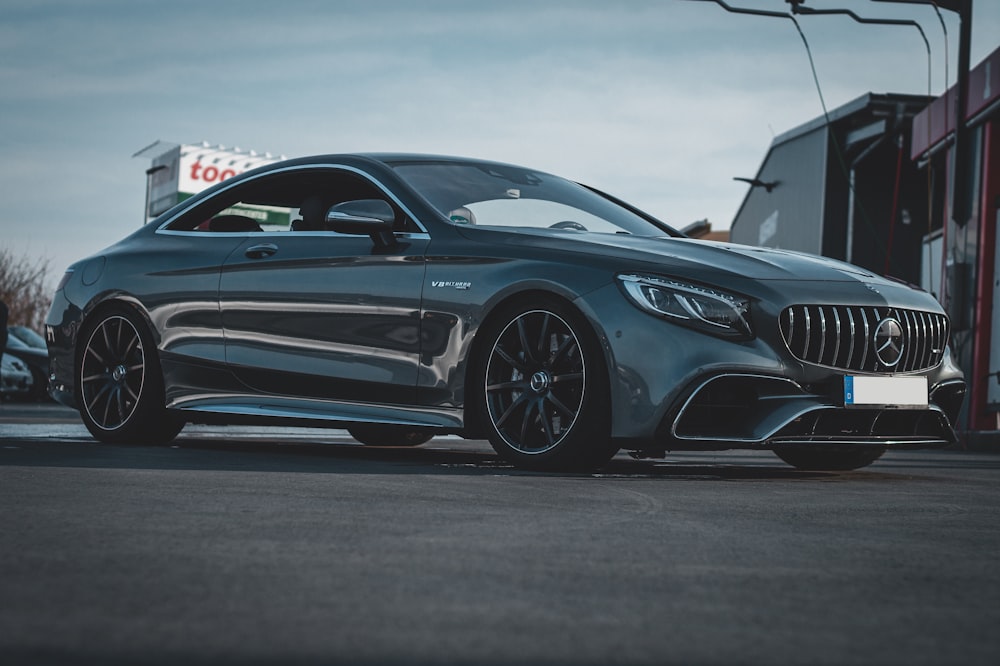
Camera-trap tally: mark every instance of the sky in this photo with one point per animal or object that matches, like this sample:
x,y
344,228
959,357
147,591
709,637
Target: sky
x,y
660,103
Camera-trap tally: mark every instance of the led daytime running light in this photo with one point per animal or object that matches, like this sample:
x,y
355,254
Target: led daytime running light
x,y
710,310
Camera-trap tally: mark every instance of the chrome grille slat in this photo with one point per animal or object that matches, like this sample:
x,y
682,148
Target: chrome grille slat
x,y
853,337
822,336
930,337
906,320
837,337
791,326
920,354
933,334
819,334
867,339
805,349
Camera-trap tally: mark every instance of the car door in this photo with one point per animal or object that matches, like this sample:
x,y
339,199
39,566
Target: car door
x,y
313,313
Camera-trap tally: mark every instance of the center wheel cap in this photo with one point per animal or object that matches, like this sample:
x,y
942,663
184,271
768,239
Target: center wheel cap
x,y
119,373
540,381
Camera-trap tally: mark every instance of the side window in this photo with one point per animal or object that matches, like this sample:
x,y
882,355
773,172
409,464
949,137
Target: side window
x,y
291,201
257,205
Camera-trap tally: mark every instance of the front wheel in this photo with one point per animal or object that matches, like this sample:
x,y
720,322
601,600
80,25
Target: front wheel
x,y
543,388
119,382
830,458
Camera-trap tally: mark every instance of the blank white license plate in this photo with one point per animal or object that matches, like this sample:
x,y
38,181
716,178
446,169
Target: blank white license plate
x,y
892,392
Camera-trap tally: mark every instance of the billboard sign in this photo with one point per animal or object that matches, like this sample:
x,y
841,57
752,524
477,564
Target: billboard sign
x,y
181,171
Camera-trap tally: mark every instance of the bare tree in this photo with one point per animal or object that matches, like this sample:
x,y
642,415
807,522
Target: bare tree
x,y
23,287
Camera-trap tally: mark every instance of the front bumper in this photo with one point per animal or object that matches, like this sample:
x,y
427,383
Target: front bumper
x,y
758,411
673,388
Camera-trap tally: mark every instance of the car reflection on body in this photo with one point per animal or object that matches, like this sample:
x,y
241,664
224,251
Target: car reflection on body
x,y
404,296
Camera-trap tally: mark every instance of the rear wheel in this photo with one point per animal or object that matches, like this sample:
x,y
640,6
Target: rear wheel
x,y
378,434
543,388
829,458
120,383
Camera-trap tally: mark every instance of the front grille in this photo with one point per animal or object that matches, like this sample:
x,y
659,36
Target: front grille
x,y
844,336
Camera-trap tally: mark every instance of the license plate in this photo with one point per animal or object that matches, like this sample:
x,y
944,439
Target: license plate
x,y
888,392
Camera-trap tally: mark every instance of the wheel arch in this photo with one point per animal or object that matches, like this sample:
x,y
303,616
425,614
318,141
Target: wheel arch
x,y
138,402
95,308
473,419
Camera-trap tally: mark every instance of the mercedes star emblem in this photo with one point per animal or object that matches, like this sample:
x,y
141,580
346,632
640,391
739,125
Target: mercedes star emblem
x,y
889,342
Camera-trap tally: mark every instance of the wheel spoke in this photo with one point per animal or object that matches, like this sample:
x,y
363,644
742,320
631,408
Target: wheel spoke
x,y
522,333
107,340
97,357
133,345
567,344
560,407
526,422
106,388
546,424
100,376
513,385
120,404
510,360
543,336
567,377
108,403
118,335
131,393
518,401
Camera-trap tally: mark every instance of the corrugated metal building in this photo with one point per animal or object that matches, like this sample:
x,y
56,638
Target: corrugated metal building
x,y
873,185
844,189
970,288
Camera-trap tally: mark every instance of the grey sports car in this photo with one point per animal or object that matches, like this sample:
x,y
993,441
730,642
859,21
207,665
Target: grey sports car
x,y
404,296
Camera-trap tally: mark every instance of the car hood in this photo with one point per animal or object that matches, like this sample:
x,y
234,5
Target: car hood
x,y
761,263
721,260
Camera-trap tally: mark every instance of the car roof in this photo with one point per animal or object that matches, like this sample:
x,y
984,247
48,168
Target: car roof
x,y
387,158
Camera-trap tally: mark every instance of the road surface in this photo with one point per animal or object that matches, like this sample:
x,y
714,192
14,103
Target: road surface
x,y
261,546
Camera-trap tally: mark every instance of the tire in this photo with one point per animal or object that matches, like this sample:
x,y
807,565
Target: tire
x,y
829,458
542,388
120,384
377,434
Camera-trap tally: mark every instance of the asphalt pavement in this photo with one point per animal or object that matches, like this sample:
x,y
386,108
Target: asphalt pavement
x,y
267,546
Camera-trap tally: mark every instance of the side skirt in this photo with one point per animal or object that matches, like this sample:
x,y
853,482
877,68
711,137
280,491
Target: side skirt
x,y
241,409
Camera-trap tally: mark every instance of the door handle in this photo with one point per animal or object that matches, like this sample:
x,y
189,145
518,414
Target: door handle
x,y
260,251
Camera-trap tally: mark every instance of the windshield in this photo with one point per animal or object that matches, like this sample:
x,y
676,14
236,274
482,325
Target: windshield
x,y
487,194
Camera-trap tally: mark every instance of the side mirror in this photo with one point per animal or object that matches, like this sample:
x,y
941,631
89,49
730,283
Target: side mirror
x,y
364,217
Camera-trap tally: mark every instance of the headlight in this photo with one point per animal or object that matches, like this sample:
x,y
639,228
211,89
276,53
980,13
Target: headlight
x,y
708,310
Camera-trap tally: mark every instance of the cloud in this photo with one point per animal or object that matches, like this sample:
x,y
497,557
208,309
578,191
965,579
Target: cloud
x,y
661,103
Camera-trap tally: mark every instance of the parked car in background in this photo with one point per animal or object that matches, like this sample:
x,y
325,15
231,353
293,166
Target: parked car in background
x,y
27,336
16,381
403,296
30,348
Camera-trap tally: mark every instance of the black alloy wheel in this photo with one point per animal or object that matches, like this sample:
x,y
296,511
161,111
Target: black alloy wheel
x,y
545,388
120,386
